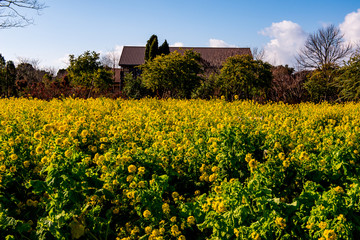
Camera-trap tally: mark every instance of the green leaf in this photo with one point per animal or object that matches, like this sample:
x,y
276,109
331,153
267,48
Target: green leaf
x,y
338,166
38,186
23,227
103,191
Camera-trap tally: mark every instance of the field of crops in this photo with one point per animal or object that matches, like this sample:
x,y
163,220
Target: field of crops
x,y
178,169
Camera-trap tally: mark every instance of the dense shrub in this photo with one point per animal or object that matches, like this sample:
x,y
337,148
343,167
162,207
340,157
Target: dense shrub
x,y
174,75
320,84
87,71
244,77
134,87
348,81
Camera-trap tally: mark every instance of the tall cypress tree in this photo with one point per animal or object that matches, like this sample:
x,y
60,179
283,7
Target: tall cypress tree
x,y
2,74
154,47
164,48
151,48
10,78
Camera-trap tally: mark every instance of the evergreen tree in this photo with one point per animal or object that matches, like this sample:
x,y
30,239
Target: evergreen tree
x,y
10,79
2,74
348,82
151,47
154,47
164,48
86,71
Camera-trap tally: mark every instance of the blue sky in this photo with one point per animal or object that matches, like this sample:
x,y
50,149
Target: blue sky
x,y
72,27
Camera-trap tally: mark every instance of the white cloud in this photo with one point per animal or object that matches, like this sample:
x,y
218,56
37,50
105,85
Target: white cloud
x,y
219,43
286,39
116,51
351,27
62,62
177,44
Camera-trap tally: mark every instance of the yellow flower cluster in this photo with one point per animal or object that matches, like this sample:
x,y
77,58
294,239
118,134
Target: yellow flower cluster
x,y
281,222
330,234
165,161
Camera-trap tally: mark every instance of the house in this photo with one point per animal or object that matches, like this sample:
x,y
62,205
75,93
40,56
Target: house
x,y
212,58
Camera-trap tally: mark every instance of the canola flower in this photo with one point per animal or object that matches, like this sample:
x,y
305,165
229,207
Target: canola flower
x,y
191,220
147,214
322,225
281,222
132,169
330,234
255,236
166,208
170,166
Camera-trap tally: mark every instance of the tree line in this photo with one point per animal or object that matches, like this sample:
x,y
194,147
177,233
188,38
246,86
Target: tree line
x,y
329,71
86,76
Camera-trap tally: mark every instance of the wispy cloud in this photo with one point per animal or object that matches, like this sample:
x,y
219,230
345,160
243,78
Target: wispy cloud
x,y
351,27
219,43
286,38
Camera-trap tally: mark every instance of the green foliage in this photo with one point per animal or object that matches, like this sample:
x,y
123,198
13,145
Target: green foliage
x,y
348,81
10,79
174,75
2,61
164,48
86,71
320,84
208,88
134,87
245,77
152,48
7,77
176,169
2,73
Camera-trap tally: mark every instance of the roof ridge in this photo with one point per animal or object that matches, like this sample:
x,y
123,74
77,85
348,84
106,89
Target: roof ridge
x,y
134,55
197,47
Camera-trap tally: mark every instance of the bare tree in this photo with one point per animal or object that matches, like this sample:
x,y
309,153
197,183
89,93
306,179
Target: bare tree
x,y
326,47
287,85
111,59
356,49
34,62
28,70
258,54
12,12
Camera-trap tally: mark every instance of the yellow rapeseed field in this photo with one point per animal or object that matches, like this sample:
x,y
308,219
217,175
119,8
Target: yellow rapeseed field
x,y
178,169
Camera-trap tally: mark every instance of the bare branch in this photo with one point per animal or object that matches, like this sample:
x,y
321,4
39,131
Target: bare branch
x,y
323,48
258,54
12,12
32,61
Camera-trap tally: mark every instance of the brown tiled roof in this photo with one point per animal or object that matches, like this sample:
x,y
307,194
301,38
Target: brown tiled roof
x,y
215,57
132,56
